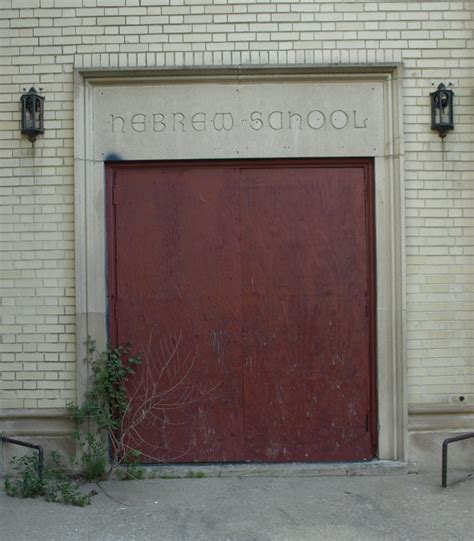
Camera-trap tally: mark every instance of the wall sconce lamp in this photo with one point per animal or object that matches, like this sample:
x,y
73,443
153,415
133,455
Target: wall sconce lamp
x,y
442,110
32,114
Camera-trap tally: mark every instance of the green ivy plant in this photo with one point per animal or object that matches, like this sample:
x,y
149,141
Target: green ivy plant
x,y
99,419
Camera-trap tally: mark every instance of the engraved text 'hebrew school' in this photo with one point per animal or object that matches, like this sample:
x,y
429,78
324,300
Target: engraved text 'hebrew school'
x,y
255,121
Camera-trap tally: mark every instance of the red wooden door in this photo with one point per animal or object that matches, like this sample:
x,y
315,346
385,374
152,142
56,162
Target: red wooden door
x,y
305,277
176,277
249,288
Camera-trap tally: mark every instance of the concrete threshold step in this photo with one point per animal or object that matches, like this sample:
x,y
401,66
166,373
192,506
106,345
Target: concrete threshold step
x,y
290,469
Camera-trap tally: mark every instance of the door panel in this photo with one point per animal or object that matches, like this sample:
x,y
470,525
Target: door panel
x,y
306,338
178,301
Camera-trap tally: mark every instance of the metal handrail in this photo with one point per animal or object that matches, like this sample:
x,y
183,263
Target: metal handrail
x,y
444,467
38,448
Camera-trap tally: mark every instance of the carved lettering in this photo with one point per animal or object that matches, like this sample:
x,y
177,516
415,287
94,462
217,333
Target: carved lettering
x,y
364,125
178,120
339,119
256,120
223,121
299,118
275,120
198,121
204,121
138,125
158,122
119,118
315,119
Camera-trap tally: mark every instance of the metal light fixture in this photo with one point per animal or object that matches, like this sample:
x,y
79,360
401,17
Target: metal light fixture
x,y
32,114
442,110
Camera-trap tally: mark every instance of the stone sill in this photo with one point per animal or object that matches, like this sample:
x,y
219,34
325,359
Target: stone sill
x,y
290,469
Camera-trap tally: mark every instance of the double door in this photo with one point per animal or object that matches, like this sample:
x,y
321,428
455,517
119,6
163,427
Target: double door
x,y
248,287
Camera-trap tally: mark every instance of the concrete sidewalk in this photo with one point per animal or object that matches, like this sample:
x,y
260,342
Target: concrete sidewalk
x,y
401,507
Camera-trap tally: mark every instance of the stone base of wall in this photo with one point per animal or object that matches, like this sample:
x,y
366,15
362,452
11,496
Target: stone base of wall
x,y
430,425
50,428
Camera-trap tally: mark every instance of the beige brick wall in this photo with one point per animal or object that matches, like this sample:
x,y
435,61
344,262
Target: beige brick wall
x,y
43,41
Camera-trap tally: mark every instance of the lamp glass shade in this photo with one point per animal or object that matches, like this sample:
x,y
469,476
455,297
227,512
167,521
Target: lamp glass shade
x,y
32,114
442,110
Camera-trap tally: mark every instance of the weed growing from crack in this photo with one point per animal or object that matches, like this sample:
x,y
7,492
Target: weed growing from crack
x,y
55,485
